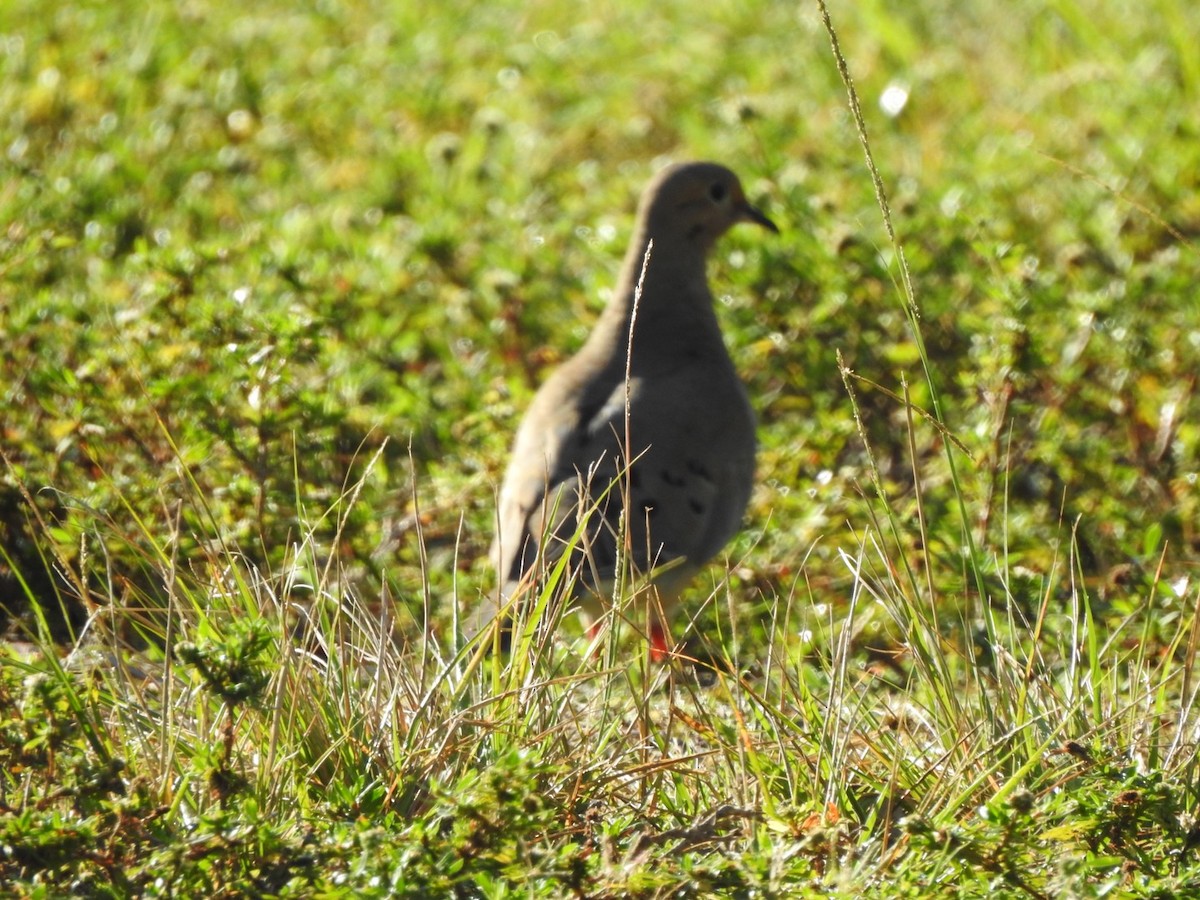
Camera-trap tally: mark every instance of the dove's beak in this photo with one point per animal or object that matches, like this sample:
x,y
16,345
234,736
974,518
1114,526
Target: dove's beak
x,y
753,214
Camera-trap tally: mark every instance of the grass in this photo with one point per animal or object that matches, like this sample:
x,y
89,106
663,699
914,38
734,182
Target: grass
x,y
276,284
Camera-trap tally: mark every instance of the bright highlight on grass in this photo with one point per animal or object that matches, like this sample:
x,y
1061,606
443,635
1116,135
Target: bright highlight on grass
x,y
893,100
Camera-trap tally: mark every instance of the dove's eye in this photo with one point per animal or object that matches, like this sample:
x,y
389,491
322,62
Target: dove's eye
x,y
717,192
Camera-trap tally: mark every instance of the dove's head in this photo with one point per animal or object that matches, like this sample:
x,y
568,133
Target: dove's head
x,y
696,203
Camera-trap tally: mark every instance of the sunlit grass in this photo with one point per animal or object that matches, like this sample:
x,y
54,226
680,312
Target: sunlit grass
x,y
275,286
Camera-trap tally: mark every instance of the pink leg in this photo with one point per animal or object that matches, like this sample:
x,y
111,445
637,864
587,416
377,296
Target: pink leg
x,y
593,631
661,646
660,643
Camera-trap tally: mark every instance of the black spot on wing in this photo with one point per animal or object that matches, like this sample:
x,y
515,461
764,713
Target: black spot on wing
x,y
603,557
672,479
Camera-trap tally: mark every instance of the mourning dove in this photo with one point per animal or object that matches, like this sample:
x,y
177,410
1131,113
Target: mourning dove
x,y
681,480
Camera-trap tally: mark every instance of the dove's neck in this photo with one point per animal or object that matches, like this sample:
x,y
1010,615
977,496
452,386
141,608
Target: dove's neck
x,y
674,306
